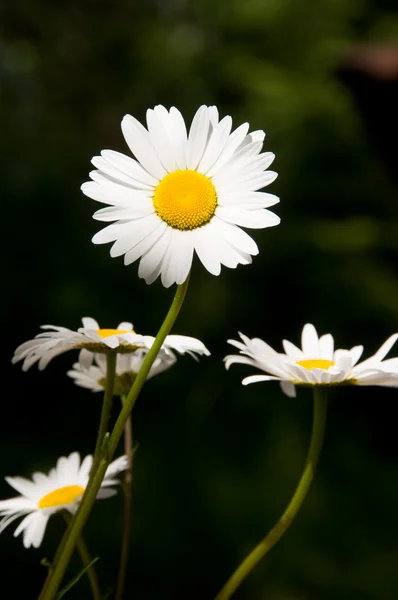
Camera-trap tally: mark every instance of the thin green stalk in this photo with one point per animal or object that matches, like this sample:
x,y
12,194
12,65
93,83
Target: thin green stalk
x,y
127,513
146,366
251,561
86,560
102,431
106,406
63,556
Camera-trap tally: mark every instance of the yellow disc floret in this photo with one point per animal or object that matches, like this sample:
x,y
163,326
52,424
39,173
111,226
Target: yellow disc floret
x,y
61,496
104,333
185,199
316,363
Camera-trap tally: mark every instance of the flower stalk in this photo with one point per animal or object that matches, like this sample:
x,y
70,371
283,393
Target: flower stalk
x,y
288,516
86,561
127,508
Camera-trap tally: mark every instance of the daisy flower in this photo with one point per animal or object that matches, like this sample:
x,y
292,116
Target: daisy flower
x,y
183,193
91,339
128,365
316,363
45,495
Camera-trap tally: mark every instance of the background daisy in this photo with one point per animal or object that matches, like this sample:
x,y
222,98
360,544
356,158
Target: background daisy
x,y
91,339
44,495
93,377
316,363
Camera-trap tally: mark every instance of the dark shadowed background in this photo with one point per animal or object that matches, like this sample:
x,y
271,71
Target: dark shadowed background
x,y
216,462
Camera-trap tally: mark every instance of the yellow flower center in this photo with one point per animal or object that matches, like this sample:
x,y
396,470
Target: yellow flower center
x,y
316,363
61,496
104,333
185,199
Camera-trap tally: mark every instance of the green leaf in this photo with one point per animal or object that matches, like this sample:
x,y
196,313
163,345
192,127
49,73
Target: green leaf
x,y
70,585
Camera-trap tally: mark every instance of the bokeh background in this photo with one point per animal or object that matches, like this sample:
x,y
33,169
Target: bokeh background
x,y
216,462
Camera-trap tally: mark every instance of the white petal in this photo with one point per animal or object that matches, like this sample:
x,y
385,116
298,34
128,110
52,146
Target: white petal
x,y
244,168
230,147
257,378
105,493
218,139
175,267
137,231
117,466
112,232
113,195
125,325
254,219
136,210
180,137
160,140
197,138
292,350
204,241
183,244
24,486
386,347
326,346
151,259
106,168
85,467
235,236
89,323
26,523
146,243
36,530
138,140
85,358
309,341
288,388
115,182
130,167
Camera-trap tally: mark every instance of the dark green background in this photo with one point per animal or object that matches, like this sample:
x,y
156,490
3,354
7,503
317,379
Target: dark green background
x,y
216,462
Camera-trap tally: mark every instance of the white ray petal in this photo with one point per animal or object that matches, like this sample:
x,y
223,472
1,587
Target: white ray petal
x,y
254,219
160,139
197,138
204,241
138,140
309,341
146,243
138,230
130,167
218,139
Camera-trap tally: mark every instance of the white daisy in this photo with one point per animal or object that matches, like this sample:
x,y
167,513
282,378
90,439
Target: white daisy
x,y
316,364
128,365
45,495
185,192
91,339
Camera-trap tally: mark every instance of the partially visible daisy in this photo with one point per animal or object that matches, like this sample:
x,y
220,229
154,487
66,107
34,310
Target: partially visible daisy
x,y
316,363
93,377
91,339
183,193
61,489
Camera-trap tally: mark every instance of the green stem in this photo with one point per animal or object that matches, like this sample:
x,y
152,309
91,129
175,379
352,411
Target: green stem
x,y
64,553
102,430
86,560
106,407
251,561
146,366
128,484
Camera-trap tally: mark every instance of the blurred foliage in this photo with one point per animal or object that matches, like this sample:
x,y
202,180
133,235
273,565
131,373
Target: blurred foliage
x,y
216,462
